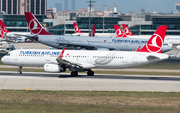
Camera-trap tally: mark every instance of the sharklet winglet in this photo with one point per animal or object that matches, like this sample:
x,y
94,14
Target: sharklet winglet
x,y
61,55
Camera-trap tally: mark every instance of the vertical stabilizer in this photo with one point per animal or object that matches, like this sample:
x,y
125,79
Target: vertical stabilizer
x,y
119,32
155,43
34,25
76,28
127,30
93,31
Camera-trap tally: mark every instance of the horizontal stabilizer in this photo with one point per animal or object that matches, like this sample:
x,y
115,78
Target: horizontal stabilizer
x,y
152,58
178,54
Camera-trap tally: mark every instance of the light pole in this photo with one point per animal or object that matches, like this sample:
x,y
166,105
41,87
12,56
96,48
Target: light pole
x,y
103,16
90,2
27,7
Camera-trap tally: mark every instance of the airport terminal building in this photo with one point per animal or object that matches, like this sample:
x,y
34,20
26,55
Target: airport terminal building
x,y
141,24
144,24
18,23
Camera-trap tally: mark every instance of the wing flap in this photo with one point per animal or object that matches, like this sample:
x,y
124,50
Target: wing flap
x,y
81,46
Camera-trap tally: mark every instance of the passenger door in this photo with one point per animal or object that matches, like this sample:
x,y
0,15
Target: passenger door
x,y
135,57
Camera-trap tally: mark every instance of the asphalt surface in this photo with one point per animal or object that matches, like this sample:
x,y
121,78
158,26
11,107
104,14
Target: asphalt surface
x,y
99,82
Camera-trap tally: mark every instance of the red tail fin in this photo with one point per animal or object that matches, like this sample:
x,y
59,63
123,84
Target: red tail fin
x,y
93,31
155,43
34,25
127,31
1,31
119,32
76,28
3,27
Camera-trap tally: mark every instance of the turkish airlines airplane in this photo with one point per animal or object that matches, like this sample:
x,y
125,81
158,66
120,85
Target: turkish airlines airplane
x,y
170,39
78,32
82,42
127,31
56,61
11,35
119,32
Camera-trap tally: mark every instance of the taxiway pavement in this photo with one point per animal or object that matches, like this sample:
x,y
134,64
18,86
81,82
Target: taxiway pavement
x,y
99,82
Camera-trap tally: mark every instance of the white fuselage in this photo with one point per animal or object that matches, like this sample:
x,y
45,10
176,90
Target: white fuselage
x,y
85,59
170,39
96,34
80,42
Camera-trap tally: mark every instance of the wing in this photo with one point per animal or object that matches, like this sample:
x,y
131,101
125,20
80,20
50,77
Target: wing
x,y
78,46
66,63
30,36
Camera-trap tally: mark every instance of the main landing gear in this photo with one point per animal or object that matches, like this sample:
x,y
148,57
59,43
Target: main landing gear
x,y
20,72
75,73
90,73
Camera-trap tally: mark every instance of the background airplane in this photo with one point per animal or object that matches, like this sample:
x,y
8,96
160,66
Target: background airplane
x,y
127,31
78,32
170,39
56,61
12,35
80,42
119,32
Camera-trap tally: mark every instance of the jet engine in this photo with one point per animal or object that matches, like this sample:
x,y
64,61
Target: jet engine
x,y
53,68
10,35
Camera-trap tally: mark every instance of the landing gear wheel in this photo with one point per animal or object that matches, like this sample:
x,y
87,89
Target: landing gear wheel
x,y
74,73
20,72
90,73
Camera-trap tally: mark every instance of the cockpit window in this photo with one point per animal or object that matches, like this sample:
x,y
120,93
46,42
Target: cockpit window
x,y
8,54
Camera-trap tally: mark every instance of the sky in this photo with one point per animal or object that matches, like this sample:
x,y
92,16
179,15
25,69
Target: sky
x,y
124,6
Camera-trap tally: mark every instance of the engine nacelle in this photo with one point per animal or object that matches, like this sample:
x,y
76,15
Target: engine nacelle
x,y
53,68
10,35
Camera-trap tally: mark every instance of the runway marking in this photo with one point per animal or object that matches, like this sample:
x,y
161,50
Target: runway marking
x,y
28,89
3,84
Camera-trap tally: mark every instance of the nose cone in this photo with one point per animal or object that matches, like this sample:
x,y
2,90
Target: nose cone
x,y
2,59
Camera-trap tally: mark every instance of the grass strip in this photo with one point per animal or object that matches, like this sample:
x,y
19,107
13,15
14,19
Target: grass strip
x,y
88,102
162,65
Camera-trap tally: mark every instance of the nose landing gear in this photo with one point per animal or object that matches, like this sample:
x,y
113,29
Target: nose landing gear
x,y
20,68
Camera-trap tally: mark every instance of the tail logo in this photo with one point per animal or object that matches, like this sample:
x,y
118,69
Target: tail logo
x,y
155,43
5,30
118,32
1,33
76,29
92,33
127,31
35,27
